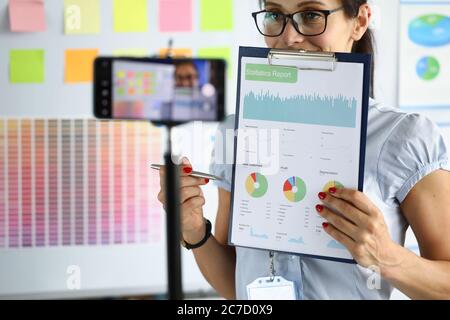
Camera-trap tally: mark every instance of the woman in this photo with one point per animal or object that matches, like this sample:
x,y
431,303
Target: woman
x,y
407,183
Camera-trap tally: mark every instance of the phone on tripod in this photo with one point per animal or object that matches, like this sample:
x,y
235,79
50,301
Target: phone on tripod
x,y
160,90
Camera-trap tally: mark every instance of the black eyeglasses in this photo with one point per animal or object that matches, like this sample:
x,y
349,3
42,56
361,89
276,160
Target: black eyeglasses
x,y
307,23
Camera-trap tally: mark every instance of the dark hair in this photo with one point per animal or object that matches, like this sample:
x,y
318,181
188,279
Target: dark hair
x,y
366,44
183,62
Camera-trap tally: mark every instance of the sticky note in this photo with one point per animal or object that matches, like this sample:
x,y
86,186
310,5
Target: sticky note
x,y
82,16
27,66
176,52
79,65
216,15
27,15
138,53
175,15
217,53
130,16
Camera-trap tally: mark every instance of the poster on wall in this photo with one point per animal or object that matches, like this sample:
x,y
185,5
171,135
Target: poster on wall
x,y
424,75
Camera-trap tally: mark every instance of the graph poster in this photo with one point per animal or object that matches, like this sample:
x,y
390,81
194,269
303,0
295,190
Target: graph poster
x,y
424,59
299,134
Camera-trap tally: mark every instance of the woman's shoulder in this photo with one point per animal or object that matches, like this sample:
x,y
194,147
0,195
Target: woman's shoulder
x,y
399,124
384,117
412,147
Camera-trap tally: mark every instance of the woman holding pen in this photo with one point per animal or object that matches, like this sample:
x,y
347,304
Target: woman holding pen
x,y
407,184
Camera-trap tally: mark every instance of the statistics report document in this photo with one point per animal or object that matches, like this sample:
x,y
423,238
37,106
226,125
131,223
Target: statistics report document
x,y
299,132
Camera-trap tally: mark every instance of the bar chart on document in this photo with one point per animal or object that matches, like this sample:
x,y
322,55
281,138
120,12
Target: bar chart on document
x,y
295,140
79,185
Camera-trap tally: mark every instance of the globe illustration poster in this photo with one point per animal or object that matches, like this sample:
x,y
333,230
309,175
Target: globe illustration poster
x,y
424,64
430,30
428,68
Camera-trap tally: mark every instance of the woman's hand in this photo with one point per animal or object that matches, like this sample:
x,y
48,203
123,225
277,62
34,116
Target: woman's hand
x,y
191,201
359,226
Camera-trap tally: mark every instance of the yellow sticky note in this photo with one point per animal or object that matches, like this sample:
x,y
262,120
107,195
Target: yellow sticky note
x,y
176,52
26,66
80,65
217,53
82,16
130,16
216,15
137,53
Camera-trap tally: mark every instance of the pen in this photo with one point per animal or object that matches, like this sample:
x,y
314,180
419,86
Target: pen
x,y
195,174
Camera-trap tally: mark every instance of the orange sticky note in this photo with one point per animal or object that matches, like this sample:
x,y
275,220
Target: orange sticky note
x,y
27,15
176,52
80,65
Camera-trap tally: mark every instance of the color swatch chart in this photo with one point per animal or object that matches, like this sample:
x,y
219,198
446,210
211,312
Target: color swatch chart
x,y
78,182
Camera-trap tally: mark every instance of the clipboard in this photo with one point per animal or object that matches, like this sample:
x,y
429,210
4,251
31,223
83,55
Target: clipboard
x,y
257,188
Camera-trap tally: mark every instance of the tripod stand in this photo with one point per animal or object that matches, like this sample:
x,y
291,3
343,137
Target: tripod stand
x,y
173,227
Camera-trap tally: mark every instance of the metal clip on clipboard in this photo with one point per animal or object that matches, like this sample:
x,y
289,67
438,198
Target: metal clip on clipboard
x,y
304,60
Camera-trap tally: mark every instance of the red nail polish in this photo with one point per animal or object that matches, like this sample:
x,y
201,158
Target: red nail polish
x,y
325,225
322,195
187,170
332,190
206,180
319,208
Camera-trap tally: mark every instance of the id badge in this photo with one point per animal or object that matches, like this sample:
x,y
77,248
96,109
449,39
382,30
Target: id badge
x,y
268,288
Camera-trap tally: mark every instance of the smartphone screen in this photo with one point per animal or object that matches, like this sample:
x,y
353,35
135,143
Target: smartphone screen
x,y
159,90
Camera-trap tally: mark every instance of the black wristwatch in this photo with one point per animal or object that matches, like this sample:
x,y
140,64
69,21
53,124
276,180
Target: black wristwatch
x,y
203,241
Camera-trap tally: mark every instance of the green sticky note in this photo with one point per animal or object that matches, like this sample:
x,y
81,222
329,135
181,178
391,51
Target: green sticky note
x,y
130,16
82,16
138,53
216,15
26,66
217,53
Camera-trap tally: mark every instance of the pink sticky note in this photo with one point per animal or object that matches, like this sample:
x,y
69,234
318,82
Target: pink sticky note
x,y
175,15
27,15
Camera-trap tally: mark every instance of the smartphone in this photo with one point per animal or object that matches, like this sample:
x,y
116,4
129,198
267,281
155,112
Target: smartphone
x,y
159,90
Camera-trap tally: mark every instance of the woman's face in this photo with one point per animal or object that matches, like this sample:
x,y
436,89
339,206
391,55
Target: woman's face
x,y
339,36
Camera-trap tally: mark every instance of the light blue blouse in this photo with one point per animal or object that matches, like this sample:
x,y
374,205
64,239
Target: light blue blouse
x,y
401,149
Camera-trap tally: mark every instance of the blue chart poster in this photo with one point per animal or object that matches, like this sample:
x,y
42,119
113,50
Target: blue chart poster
x,y
425,60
